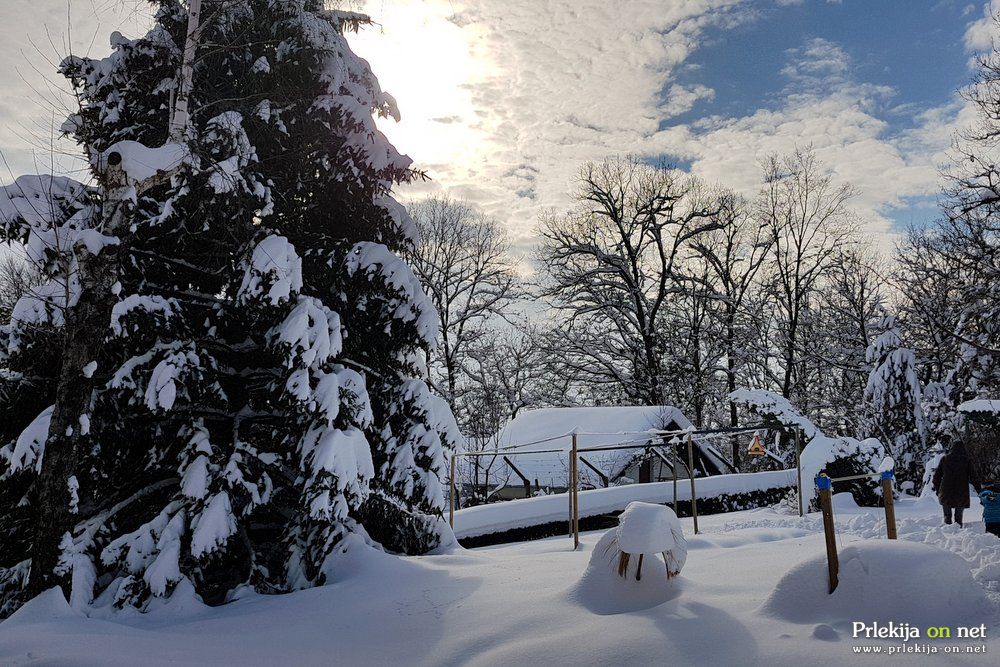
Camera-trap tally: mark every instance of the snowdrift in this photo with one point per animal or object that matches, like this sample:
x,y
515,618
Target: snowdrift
x,y
601,591
881,581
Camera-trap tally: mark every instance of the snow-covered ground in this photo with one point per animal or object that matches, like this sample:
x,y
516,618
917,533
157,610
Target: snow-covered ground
x,y
752,592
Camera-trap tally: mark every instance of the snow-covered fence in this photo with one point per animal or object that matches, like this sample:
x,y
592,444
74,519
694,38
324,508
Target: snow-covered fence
x,y
497,519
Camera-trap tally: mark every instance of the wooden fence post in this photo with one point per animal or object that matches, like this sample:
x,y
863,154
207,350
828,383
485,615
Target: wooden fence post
x,y
890,509
825,486
673,450
569,493
694,498
576,496
798,469
451,492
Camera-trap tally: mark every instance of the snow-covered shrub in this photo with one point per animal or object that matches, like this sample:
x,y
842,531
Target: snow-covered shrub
x,y
789,503
845,457
836,456
612,584
721,503
649,529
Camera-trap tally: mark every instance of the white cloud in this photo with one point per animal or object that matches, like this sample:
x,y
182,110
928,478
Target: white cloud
x,y
502,102
841,119
555,84
980,33
568,81
820,61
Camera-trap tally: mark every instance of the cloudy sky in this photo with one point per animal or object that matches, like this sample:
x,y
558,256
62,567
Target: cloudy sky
x,y
503,100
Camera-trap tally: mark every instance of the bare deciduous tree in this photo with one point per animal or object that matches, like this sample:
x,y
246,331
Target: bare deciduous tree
x,y
808,216
17,276
465,263
506,370
612,265
734,255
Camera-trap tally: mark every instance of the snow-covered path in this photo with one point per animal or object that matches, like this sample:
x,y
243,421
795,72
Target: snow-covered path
x,y
513,604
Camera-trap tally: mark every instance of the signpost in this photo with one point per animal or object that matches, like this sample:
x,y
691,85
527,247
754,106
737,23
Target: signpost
x,y
756,447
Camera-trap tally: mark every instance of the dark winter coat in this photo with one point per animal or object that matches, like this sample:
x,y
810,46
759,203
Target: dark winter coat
x,y
952,478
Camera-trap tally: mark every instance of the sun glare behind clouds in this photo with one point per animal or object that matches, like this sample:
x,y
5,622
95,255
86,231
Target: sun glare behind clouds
x,y
425,61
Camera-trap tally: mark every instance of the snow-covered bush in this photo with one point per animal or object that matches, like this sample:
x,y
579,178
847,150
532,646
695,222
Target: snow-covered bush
x,y
636,564
650,529
836,456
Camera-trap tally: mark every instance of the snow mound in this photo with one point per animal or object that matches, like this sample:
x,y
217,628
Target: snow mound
x,y
602,591
881,581
46,607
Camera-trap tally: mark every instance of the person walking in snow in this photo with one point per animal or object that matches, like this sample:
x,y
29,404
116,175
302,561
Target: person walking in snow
x,y
990,498
951,481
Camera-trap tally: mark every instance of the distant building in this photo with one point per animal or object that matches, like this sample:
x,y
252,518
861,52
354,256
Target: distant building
x,y
534,434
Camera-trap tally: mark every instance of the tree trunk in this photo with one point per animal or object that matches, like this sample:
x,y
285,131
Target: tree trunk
x,y
731,382
85,329
181,114
786,385
86,325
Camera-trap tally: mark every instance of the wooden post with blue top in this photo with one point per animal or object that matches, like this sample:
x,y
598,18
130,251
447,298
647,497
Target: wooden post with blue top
x,y
890,509
825,486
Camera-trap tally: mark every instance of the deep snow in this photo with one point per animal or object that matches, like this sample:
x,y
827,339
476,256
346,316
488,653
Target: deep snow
x,y
533,602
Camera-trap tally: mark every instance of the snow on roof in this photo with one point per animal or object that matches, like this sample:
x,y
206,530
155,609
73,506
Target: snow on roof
x,y
551,428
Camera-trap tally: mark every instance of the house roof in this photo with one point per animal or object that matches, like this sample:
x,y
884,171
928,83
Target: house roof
x,y
546,429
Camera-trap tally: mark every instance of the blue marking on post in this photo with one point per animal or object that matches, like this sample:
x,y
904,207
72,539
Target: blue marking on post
x,y
887,474
823,482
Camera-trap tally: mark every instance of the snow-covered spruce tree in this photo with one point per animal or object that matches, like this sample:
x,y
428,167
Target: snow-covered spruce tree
x,y
258,396
893,400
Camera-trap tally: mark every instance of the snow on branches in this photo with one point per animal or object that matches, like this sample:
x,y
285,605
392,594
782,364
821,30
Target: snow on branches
x,y
253,386
274,271
893,399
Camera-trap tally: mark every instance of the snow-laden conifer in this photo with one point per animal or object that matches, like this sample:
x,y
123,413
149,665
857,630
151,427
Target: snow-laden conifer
x,y
893,399
257,394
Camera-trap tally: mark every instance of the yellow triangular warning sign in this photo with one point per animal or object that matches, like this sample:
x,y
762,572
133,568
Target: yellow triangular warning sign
x,y
756,447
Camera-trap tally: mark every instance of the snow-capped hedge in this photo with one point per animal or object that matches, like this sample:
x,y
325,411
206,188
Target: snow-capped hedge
x,y
544,516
